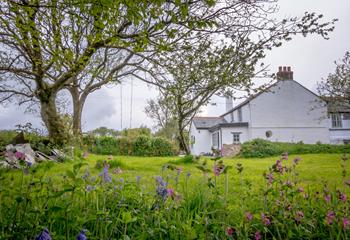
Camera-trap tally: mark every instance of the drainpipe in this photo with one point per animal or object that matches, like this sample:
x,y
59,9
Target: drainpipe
x,y
221,141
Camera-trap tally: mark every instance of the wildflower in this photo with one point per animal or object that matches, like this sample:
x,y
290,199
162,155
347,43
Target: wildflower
x,y
289,207
138,178
161,188
285,156
347,182
105,175
300,189
230,231
327,198
85,155
296,160
330,217
257,235
299,216
218,169
44,235
82,235
306,196
248,216
86,174
270,178
342,197
110,157
288,183
179,170
266,220
20,156
345,223
118,170
188,174
90,188
170,192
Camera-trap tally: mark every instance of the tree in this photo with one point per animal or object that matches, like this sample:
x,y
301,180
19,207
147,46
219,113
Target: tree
x,y
47,46
104,131
336,88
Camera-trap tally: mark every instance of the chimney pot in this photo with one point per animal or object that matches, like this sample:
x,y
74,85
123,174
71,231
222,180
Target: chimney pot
x,y
280,68
284,73
284,68
288,69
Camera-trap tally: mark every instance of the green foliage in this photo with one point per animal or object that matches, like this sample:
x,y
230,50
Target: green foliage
x,y
184,205
264,148
188,159
139,146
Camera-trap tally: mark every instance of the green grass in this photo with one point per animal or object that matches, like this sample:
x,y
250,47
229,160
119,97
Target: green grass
x,y
314,169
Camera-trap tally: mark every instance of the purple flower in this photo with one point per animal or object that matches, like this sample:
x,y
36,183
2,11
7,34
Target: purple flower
x,y
330,217
86,174
300,189
327,198
285,156
345,223
90,188
188,174
171,192
138,178
257,235
105,175
248,216
218,169
230,231
296,160
82,235
161,188
20,156
342,197
270,178
266,221
44,235
299,215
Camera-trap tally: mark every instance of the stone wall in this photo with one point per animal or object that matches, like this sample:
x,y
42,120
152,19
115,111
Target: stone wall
x,y
230,150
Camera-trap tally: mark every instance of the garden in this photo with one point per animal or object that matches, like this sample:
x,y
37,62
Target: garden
x,y
130,197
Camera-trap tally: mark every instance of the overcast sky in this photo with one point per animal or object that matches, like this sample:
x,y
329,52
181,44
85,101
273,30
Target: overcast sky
x,y
311,59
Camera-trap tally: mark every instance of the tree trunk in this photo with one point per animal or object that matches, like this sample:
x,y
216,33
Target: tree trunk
x,y
51,118
182,139
78,105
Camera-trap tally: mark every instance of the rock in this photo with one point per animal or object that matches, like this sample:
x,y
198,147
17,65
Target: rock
x,y
29,154
231,150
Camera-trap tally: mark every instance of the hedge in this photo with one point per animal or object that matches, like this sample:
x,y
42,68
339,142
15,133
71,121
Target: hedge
x,y
141,146
264,148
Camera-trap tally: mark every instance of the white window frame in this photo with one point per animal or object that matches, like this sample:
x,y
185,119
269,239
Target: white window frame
x,y
215,140
236,137
336,120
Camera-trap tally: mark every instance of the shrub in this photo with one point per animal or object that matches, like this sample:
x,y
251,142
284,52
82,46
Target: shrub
x,y
264,148
161,147
106,145
143,146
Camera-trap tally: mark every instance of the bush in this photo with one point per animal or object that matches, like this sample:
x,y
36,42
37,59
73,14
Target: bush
x,y
162,147
143,146
263,148
106,145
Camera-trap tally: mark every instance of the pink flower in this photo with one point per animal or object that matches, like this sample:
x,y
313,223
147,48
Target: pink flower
x,y
300,189
230,231
270,178
20,155
327,198
299,216
296,160
285,156
266,220
257,235
342,197
345,222
218,169
85,155
330,217
248,216
171,192
118,170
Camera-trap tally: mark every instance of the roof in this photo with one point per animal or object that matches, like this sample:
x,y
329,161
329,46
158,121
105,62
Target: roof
x,y
233,124
263,91
207,122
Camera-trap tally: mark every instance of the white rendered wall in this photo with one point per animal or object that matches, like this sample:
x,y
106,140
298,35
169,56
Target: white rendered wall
x,y
291,112
227,136
202,140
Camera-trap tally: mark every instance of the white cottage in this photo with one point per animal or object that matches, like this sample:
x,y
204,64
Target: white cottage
x,y
285,112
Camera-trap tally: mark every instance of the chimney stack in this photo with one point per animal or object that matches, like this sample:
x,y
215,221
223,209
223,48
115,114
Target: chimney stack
x,y
284,73
229,103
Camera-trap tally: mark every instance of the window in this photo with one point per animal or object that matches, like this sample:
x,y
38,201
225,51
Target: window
x,y
193,140
215,140
336,120
239,114
236,138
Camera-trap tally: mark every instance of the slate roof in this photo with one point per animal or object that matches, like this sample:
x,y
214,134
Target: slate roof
x,y
233,124
207,122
